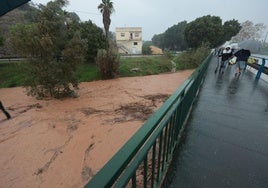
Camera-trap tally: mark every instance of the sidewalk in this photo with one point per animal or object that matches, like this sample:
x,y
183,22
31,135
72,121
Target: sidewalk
x,y
226,140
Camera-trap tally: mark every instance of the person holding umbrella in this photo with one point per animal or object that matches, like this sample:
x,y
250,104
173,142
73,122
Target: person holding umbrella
x,y
225,56
241,59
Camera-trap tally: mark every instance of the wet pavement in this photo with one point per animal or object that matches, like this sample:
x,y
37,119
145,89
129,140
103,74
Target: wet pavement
x,y
225,143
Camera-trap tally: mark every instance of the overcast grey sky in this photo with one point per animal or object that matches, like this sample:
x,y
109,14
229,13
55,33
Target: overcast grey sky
x,y
155,16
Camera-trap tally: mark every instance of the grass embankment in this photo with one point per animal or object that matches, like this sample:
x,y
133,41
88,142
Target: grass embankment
x,y
13,74
141,66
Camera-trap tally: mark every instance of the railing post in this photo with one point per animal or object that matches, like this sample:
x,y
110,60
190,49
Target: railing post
x,y
261,69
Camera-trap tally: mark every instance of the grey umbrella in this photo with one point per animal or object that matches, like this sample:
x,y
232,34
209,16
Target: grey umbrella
x,y
252,45
8,5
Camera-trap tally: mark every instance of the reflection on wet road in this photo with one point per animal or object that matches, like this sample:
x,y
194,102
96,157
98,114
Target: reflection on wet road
x,y
225,143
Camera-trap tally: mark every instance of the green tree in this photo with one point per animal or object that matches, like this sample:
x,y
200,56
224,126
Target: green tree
x,y
108,63
192,58
146,49
230,29
158,40
31,12
106,8
205,30
72,16
94,40
173,38
53,52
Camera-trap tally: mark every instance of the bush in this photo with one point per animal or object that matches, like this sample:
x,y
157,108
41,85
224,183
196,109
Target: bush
x,y
146,49
192,58
53,52
108,63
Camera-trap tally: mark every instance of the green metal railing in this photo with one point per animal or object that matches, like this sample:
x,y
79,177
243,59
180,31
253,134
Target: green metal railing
x,y
144,159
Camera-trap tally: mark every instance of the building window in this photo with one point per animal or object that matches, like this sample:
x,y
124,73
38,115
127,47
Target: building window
x,y
131,35
136,34
122,34
135,43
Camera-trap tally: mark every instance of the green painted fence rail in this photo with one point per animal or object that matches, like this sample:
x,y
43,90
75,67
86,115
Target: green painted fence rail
x,y
144,159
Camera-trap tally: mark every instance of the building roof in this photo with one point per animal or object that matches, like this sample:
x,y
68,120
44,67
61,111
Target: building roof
x,y
118,29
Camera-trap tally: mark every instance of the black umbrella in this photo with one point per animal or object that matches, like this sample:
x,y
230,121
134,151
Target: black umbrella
x,y
252,45
242,55
8,5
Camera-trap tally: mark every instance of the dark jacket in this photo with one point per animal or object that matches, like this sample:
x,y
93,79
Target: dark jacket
x,y
242,55
226,55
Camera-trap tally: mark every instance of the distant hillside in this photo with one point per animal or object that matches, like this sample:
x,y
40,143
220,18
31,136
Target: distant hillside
x,y
23,14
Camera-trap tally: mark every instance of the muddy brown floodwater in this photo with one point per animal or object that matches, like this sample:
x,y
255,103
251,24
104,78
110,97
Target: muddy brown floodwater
x,y
63,143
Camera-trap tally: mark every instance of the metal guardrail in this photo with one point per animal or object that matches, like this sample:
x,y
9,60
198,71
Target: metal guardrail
x,y
260,67
144,159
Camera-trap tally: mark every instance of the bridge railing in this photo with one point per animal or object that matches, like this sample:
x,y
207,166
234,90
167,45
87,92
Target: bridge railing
x,y
262,68
144,159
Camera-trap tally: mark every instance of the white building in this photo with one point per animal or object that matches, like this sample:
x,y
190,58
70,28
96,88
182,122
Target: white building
x,y
129,40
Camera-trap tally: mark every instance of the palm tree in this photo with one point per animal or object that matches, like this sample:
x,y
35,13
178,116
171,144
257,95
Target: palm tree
x,y
106,8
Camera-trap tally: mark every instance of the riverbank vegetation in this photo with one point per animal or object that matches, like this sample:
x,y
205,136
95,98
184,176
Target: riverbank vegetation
x,y
13,74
